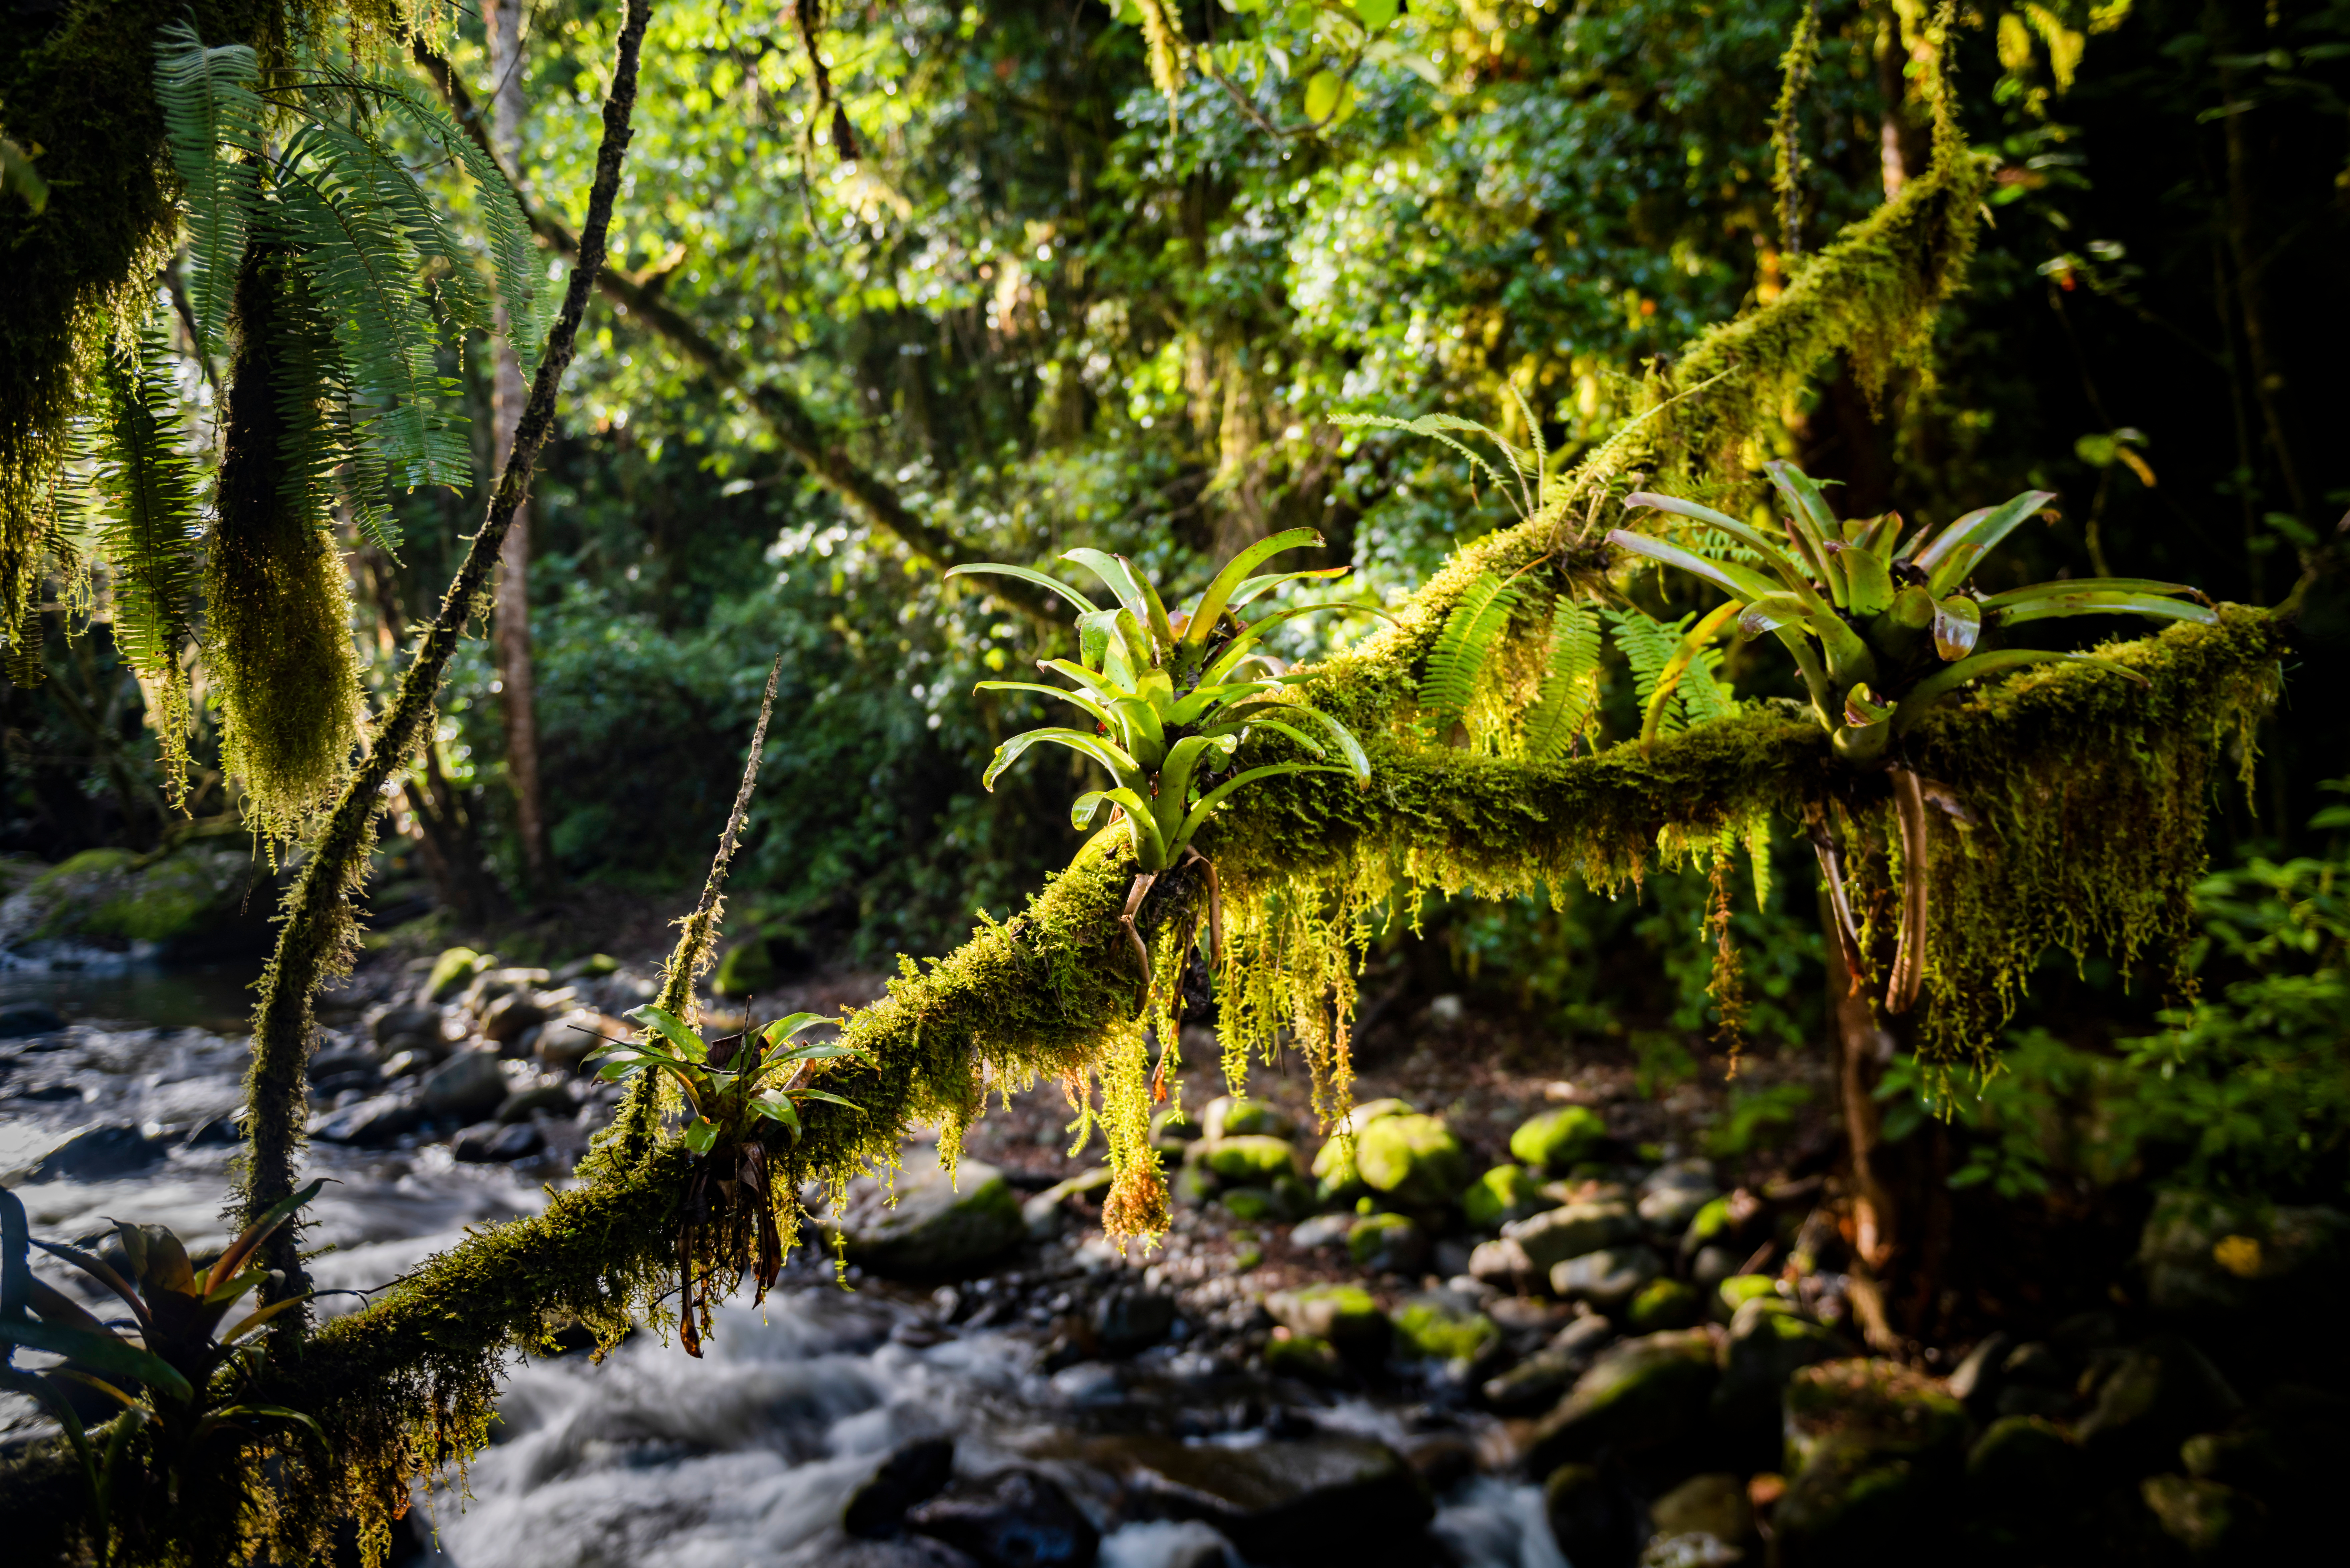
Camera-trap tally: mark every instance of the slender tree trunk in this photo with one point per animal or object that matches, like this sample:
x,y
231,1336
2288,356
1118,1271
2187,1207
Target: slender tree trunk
x,y
517,681
1862,1048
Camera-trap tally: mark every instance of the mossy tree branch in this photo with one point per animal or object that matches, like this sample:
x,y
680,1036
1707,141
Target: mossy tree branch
x,y
317,930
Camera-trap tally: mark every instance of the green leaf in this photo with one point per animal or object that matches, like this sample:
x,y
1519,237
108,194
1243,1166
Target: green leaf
x,y
1772,551
1375,14
1948,681
211,122
1865,579
1135,596
985,568
1569,691
99,1352
1227,590
1255,588
775,1107
674,1029
1862,709
2149,604
1739,582
1463,646
1949,560
1088,704
700,1134
1121,767
2062,587
830,1100
1142,828
1214,797
784,1028
1325,91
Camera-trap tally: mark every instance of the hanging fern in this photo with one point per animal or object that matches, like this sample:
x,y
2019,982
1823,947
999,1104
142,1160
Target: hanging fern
x,y
1570,683
1463,647
1648,647
212,121
146,499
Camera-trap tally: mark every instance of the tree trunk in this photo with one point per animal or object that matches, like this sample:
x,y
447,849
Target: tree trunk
x,y
1863,1048
517,682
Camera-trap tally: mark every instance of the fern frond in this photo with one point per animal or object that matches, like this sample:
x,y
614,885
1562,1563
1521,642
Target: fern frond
x,y
212,121
1647,645
363,271
373,171
1702,693
1463,647
513,257
148,531
321,456
1570,683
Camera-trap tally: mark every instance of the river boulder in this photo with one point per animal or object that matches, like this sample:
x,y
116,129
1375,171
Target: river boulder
x,y
468,1087
1013,1517
938,1226
1301,1503
100,1153
1503,1194
1643,1394
1345,1316
1255,1160
1387,1244
1873,1449
1607,1279
1415,1159
1234,1116
1593,1517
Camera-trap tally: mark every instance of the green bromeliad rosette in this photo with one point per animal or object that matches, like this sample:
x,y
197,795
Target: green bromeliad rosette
x,y
1172,695
1882,627
743,1094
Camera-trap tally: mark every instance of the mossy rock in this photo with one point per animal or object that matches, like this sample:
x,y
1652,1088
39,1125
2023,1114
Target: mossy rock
x,y
1739,1289
1437,1327
1251,1203
1556,1140
1641,1394
1345,1316
1256,1161
1503,1194
748,968
189,903
1873,1448
1333,1164
1307,1357
1231,1115
1415,1159
938,1226
454,971
1664,1304
1385,1244
1556,1235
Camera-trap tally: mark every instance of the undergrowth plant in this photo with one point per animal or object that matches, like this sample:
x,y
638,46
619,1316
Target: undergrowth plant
x,y
170,1373
1882,626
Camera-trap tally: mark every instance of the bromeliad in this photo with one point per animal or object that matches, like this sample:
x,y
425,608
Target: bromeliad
x,y
1172,695
1882,629
742,1091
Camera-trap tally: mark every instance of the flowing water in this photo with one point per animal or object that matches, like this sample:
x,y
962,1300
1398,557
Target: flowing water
x,y
651,1459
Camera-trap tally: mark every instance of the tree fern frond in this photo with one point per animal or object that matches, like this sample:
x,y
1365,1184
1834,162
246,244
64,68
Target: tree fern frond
x,y
1702,697
212,121
1570,685
365,166
321,456
513,256
148,531
1462,648
362,269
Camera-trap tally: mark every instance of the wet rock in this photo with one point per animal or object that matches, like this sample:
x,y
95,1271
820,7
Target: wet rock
x,y
408,1063
1230,1115
1711,1266
1386,1243
1251,1161
2023,1467
97,1154
1663,1304
1017,1519
1345,1316
565,1043
452,972
1503,1264
935,1229
1557,1139
1317,1500
1873,1448
467,1087
1593,1516
488,1143
393,1023
1673,1194
2159,1394
549,1099
1607,1279
1546,1374
1503,1194
507,1018
29,1018
1713,1504
913,1473
1414,1159
1128,1319
1322,1231
1437,1326
1766,1346
2213,1523
1975,1384
378,1122
339,1060
1553,1237
1642,1393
